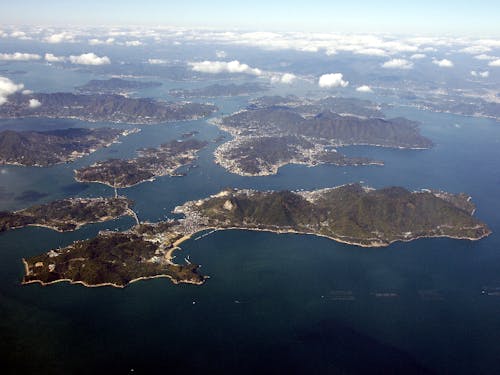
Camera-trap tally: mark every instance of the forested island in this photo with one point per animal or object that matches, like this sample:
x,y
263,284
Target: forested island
x,y
150,163
102,107
350,214
67,214
275,131
45,148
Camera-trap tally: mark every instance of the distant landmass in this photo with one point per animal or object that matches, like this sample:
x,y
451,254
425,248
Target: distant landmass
x,y
306,131
115,86
151,163
102,107
67,214
45,148
306,106
350,213
217,90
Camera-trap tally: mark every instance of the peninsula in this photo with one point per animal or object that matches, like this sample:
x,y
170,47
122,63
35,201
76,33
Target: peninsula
x,y
350,214
67,214
150,163
102,108
274,131
45,148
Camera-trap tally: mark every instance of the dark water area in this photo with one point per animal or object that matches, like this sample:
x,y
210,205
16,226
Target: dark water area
x,y
274,302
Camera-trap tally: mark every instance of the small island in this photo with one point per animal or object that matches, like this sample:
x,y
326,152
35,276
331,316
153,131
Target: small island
x,y
151,163
275,131
218,90
46,148
67,214
350,214
115,259
115,86
102,108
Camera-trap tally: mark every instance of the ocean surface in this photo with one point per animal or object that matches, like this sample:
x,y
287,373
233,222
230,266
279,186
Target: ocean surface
x,y
280,303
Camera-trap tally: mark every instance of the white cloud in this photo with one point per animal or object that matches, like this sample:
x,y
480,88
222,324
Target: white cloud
x,y
287,78
95,42
418,56
89,59
370,52
7,87
397,64
157,61
59,38
18,56
49,57
484,57
215,67
34,103
27,92
444,63
364,88
133,43
484,74
494,63
332,80
220,54
475,49
19,35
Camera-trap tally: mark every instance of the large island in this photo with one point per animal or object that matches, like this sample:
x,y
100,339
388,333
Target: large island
x,y
350,214
42,149
308,132
102,107
151,163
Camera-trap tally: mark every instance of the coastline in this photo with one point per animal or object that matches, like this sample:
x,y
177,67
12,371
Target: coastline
x,y
375,243
73,282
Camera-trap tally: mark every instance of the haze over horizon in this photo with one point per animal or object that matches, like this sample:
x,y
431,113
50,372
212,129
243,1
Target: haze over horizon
x,y
425,17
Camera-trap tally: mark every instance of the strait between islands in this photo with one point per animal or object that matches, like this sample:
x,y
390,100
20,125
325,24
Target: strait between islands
x,y
350,214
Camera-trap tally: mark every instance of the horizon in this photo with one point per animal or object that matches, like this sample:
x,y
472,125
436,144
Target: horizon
x,y
460,18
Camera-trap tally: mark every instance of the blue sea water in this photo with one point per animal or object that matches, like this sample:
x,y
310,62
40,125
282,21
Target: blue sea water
x,y
273,303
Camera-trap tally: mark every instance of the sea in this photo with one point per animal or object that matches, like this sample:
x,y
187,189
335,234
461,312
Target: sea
x,y
274,303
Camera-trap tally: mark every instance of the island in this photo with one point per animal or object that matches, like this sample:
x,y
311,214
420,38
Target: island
x,y
46,148
102,108
115,86
150,163
67,214
262,156
115,259
352,214
274,131
218,90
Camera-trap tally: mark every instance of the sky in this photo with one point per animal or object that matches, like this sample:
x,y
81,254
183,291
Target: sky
x,y
437,17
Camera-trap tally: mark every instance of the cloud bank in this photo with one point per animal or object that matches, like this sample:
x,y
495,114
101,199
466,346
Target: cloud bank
x,y
19,56
332,80
494,63
216,67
